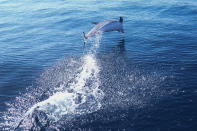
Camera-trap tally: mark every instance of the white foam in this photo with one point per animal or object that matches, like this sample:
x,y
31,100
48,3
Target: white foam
x,y
80,96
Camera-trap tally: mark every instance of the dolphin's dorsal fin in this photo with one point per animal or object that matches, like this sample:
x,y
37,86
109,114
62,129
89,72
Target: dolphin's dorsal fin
x,y
95,23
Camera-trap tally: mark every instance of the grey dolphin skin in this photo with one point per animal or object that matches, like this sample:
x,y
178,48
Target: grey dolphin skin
x,y
105,26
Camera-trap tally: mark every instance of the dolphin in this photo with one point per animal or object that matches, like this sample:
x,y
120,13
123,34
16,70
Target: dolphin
x,y
105,26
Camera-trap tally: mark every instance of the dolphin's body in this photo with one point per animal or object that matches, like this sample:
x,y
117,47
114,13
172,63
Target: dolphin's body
x,y
105,26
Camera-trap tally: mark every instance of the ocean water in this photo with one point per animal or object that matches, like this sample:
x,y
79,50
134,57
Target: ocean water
x,y
142,80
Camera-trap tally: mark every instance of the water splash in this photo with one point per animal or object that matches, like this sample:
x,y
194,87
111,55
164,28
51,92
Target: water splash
x,y
79,94
76,87
72,93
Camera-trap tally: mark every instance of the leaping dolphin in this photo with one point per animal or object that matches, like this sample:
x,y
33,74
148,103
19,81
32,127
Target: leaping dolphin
x,y
105,26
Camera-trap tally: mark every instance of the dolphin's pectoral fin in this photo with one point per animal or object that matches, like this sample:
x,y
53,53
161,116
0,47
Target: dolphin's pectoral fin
x,y
95,23
84,38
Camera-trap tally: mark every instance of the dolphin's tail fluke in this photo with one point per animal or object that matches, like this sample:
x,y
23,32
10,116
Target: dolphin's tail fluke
x,y
84,38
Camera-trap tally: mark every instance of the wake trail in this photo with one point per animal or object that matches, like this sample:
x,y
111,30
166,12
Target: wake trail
x,y
79,96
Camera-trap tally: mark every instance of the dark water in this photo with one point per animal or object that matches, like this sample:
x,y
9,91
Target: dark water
x,y
144,80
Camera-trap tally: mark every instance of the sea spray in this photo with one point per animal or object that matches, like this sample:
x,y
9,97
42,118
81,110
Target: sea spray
x,y
78,96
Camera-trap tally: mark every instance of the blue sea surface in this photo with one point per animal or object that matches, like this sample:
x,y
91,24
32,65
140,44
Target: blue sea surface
x,y
142,80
